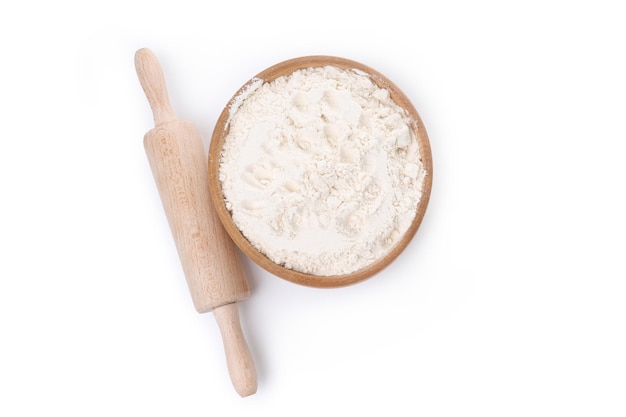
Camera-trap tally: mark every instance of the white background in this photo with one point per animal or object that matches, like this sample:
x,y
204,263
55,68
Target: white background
x,y
510,301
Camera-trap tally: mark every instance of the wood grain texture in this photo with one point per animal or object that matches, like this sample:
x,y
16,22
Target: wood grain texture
x,y
221,131
213,271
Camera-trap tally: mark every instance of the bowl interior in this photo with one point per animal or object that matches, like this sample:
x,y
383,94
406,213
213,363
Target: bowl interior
x,y
217,141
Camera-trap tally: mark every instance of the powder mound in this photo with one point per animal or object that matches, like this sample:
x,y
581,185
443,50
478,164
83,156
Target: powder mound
x,y
321,170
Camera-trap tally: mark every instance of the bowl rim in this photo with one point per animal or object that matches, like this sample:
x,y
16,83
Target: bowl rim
x,y
220,132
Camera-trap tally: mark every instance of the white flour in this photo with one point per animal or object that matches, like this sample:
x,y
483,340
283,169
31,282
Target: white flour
x,y
321,170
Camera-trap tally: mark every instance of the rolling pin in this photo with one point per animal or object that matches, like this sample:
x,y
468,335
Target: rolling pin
x,y
214,274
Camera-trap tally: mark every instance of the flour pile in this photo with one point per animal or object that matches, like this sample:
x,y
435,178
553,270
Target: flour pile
x,y
321,170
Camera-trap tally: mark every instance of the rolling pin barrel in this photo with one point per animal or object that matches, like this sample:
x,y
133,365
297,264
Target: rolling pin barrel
x,y
214,274
210,262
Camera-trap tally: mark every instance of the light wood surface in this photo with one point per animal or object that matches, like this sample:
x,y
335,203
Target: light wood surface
x,y
221,130
213,271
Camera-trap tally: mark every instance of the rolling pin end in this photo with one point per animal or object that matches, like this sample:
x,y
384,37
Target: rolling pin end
x,y
238,357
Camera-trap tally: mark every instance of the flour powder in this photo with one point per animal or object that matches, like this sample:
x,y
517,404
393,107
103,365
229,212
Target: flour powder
x,y
321,170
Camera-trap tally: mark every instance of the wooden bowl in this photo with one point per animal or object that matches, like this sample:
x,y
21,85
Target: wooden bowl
x,y
217,142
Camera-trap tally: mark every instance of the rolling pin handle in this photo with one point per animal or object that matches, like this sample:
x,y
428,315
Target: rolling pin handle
x,y
153,83
238,357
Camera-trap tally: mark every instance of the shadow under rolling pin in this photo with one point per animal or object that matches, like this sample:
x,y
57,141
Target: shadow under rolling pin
x,y
214,274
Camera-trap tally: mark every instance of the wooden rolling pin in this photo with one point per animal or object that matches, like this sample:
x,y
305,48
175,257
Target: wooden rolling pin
x,y
214,274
